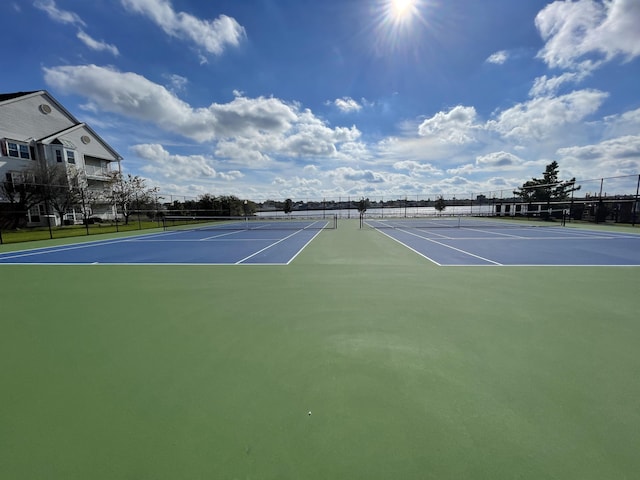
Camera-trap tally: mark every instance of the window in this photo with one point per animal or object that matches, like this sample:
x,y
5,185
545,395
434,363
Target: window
x,y
24,152
12,149
71,156
35,212
18,150
59,156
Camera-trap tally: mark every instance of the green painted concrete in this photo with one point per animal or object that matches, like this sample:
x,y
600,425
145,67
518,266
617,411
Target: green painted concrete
x,y
409,370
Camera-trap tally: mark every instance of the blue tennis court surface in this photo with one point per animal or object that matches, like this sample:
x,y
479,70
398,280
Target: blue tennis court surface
x,y
209,247
515,245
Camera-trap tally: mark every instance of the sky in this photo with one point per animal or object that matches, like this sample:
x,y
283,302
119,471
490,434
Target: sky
x,y
322,99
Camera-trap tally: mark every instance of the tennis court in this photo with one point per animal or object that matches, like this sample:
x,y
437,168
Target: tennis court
x,y
359,359
469,241
190,241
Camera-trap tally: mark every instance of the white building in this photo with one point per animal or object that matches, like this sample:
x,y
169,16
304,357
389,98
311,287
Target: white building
x,y
34,127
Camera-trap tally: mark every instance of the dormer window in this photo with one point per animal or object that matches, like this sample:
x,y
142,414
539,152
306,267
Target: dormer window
x,y
18,150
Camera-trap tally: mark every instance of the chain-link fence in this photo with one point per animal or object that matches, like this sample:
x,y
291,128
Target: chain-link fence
x,y
25,216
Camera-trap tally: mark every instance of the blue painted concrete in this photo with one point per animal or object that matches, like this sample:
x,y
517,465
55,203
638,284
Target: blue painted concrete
x,y
176,247
521,246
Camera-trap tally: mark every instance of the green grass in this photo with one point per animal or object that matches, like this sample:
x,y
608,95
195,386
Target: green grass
x,y
42,233
411,371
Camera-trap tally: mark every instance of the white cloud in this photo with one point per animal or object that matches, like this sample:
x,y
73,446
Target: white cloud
x,y
416,167
626,123
581,35
60,16
541,118
177,83
134,96
499,160
231,175
97,45
247,152
179,167
247,131
617,156
296,182
546,86
349,174
455,126
347,105
498,58
211,35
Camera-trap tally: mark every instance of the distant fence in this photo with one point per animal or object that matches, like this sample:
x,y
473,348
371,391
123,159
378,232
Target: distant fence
x,y
607,199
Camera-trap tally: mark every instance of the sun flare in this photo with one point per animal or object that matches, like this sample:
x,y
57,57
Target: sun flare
x,y
401,8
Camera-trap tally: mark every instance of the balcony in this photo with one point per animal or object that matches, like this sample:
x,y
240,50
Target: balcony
x,y
97,173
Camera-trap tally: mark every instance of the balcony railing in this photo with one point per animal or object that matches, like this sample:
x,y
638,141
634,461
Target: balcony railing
x,y
100,173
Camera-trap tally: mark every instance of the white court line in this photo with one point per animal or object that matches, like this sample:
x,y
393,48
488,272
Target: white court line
x,y
304,246
494,263
77,246
545,265
410,248
212,239
220,235
538,239
46,250
149,264
452,248
268,247
492,233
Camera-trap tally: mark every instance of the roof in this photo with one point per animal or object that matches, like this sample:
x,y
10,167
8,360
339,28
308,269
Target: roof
x,y
77,124
10,96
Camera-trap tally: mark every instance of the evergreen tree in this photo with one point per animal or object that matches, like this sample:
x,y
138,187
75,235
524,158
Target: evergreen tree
x,y
548,188
288,205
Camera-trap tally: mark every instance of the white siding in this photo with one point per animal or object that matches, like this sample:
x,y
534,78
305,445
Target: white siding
x,y
22,118
93,148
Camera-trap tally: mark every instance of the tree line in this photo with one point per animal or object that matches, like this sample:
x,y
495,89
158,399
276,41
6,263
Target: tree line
x,y
61,188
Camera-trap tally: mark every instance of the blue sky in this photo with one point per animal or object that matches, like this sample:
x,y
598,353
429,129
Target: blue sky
x,y
304,99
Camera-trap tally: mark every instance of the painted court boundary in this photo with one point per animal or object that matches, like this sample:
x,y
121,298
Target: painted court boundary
x,y
158,237
570,235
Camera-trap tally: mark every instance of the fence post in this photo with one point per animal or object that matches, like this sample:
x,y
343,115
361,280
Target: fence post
x,y
635,205
138,210
84,211
46,209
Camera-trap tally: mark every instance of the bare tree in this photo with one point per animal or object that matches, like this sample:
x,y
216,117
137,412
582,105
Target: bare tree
x,y
21,191
129,192
60,187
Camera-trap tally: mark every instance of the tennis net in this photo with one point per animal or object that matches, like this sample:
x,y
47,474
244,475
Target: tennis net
x,y
289,222
462,221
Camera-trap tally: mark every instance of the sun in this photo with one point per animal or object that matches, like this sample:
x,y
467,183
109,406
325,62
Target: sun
x,y
400,23
402,8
